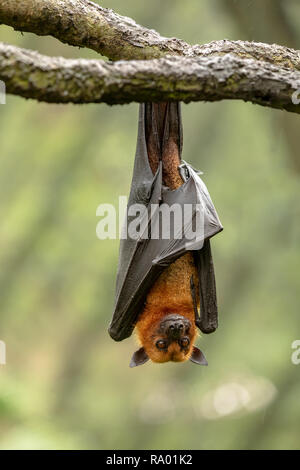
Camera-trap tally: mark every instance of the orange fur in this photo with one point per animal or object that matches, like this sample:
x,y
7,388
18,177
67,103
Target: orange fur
x,y
170,294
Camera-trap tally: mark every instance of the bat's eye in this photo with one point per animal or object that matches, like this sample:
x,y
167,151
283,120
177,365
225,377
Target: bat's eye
x,y
184,342
161,344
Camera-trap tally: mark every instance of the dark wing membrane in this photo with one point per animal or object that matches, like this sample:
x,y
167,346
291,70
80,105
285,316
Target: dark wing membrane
x,y
208,321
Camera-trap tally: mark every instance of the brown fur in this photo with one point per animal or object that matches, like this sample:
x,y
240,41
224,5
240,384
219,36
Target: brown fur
x,y
171,292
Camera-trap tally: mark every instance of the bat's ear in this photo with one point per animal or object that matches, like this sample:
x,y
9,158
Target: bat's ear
x,y
198,357
139,357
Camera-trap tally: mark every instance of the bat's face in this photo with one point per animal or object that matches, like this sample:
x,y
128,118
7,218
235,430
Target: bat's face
x,y
170,339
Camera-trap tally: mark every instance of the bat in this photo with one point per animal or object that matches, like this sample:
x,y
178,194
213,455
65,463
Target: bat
x,y
165,286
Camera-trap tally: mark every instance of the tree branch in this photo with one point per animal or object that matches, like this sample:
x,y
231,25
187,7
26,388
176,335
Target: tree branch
x,y
261,73
272,53
57,80
83,23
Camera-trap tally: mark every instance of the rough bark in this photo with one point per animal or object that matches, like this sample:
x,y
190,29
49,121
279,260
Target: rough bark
x,y
170,78
274,54
261,73
83,23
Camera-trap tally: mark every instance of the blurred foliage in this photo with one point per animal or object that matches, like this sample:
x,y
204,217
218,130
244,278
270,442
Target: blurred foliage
x,y
66,384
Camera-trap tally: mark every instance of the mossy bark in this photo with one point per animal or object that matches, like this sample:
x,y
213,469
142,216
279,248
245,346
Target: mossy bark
x,y
58,80
265,74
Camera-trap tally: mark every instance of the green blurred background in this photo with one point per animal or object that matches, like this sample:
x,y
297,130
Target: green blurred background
x,y
66,384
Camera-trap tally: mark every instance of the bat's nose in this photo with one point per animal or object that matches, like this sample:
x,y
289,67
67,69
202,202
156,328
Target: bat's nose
x,y
175,325
176,328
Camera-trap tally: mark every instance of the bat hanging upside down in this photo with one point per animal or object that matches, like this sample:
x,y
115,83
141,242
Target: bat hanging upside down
x,y
162,284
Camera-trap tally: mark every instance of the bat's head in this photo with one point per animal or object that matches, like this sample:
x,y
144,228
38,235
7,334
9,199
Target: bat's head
x,y
170,338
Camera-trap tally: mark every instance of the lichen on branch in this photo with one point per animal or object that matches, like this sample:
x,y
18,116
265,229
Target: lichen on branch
x,y
57,80
153,68
86,24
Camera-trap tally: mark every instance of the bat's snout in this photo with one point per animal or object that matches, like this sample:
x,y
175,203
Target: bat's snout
x,y
175,329
175,326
